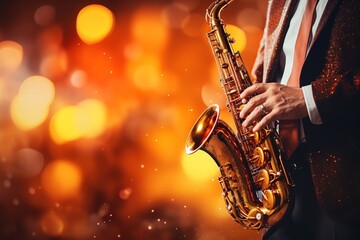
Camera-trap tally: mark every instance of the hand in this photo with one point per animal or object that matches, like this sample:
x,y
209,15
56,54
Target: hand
x,y
280,102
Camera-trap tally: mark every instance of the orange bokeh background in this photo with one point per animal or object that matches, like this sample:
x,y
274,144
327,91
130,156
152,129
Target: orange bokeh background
x,y
96,101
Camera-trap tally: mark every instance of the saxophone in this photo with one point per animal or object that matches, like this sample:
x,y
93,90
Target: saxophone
x,y
255,184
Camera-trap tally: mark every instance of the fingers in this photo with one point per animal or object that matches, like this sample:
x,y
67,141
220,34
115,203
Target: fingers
x,y
265,120
251,105
261,115
258,89
256,109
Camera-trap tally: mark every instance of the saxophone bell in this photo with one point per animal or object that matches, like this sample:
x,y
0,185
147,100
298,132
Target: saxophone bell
x,y
202,129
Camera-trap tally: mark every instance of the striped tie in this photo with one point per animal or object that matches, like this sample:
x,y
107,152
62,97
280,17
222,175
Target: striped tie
x,y
289,129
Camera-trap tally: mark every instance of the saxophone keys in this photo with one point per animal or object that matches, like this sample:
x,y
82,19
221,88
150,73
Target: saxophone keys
x,y
225,65
218,50
270,199
256,137
260,157
232,40
263,179
255,218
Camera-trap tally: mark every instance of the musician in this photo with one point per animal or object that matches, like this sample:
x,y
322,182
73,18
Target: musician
x,y
308,84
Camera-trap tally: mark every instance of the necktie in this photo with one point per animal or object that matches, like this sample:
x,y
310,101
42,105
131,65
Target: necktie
x,y
289,129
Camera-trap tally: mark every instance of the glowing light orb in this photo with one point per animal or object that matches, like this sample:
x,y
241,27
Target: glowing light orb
x,y
37,89
61,179
175,14
147,77
239,35
28,162
87,119
63,127
212,93
11,55
149,29
54,64
199,166
194,25
52,224
78,78
44,15
30,106
92,116
94,22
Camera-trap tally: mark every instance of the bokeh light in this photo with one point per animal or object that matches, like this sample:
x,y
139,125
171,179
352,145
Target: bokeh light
x,y
30,107
44,15
11,55
194,25
54,64
63,126
239,35
37,89
78,78
92,116
52,224
86,119
149,29
175,15
28,162
213,93
199,166
147,76
250,17
61,179
94,22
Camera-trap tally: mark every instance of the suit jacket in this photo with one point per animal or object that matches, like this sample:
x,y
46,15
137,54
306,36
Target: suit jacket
x,y
332,67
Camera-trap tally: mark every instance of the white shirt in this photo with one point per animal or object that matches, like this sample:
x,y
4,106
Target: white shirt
x,y
287,54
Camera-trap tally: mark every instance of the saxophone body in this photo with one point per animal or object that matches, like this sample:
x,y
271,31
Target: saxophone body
x,y
255,184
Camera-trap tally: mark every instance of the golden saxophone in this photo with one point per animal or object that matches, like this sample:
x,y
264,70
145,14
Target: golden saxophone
x,y
256,186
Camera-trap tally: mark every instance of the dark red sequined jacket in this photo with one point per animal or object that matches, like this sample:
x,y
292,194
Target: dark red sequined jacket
x,y
333,69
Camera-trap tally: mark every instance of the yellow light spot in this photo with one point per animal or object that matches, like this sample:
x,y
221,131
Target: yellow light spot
x,y
94,22
37,89
147,77
63,127
199,166
87,119
149,30
30,107
52,224
61,179
239,35
92,117
27,115
11,55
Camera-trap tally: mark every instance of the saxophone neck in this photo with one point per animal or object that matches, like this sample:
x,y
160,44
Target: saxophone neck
x,y
213,12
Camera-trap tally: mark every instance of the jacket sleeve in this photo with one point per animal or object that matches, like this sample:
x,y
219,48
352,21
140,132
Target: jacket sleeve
x,y
338,97
258,68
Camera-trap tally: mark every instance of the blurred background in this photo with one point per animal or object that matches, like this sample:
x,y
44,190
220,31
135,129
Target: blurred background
x,y
96,101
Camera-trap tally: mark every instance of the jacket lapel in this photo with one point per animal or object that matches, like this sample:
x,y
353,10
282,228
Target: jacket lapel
x,y
327,12
279,16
